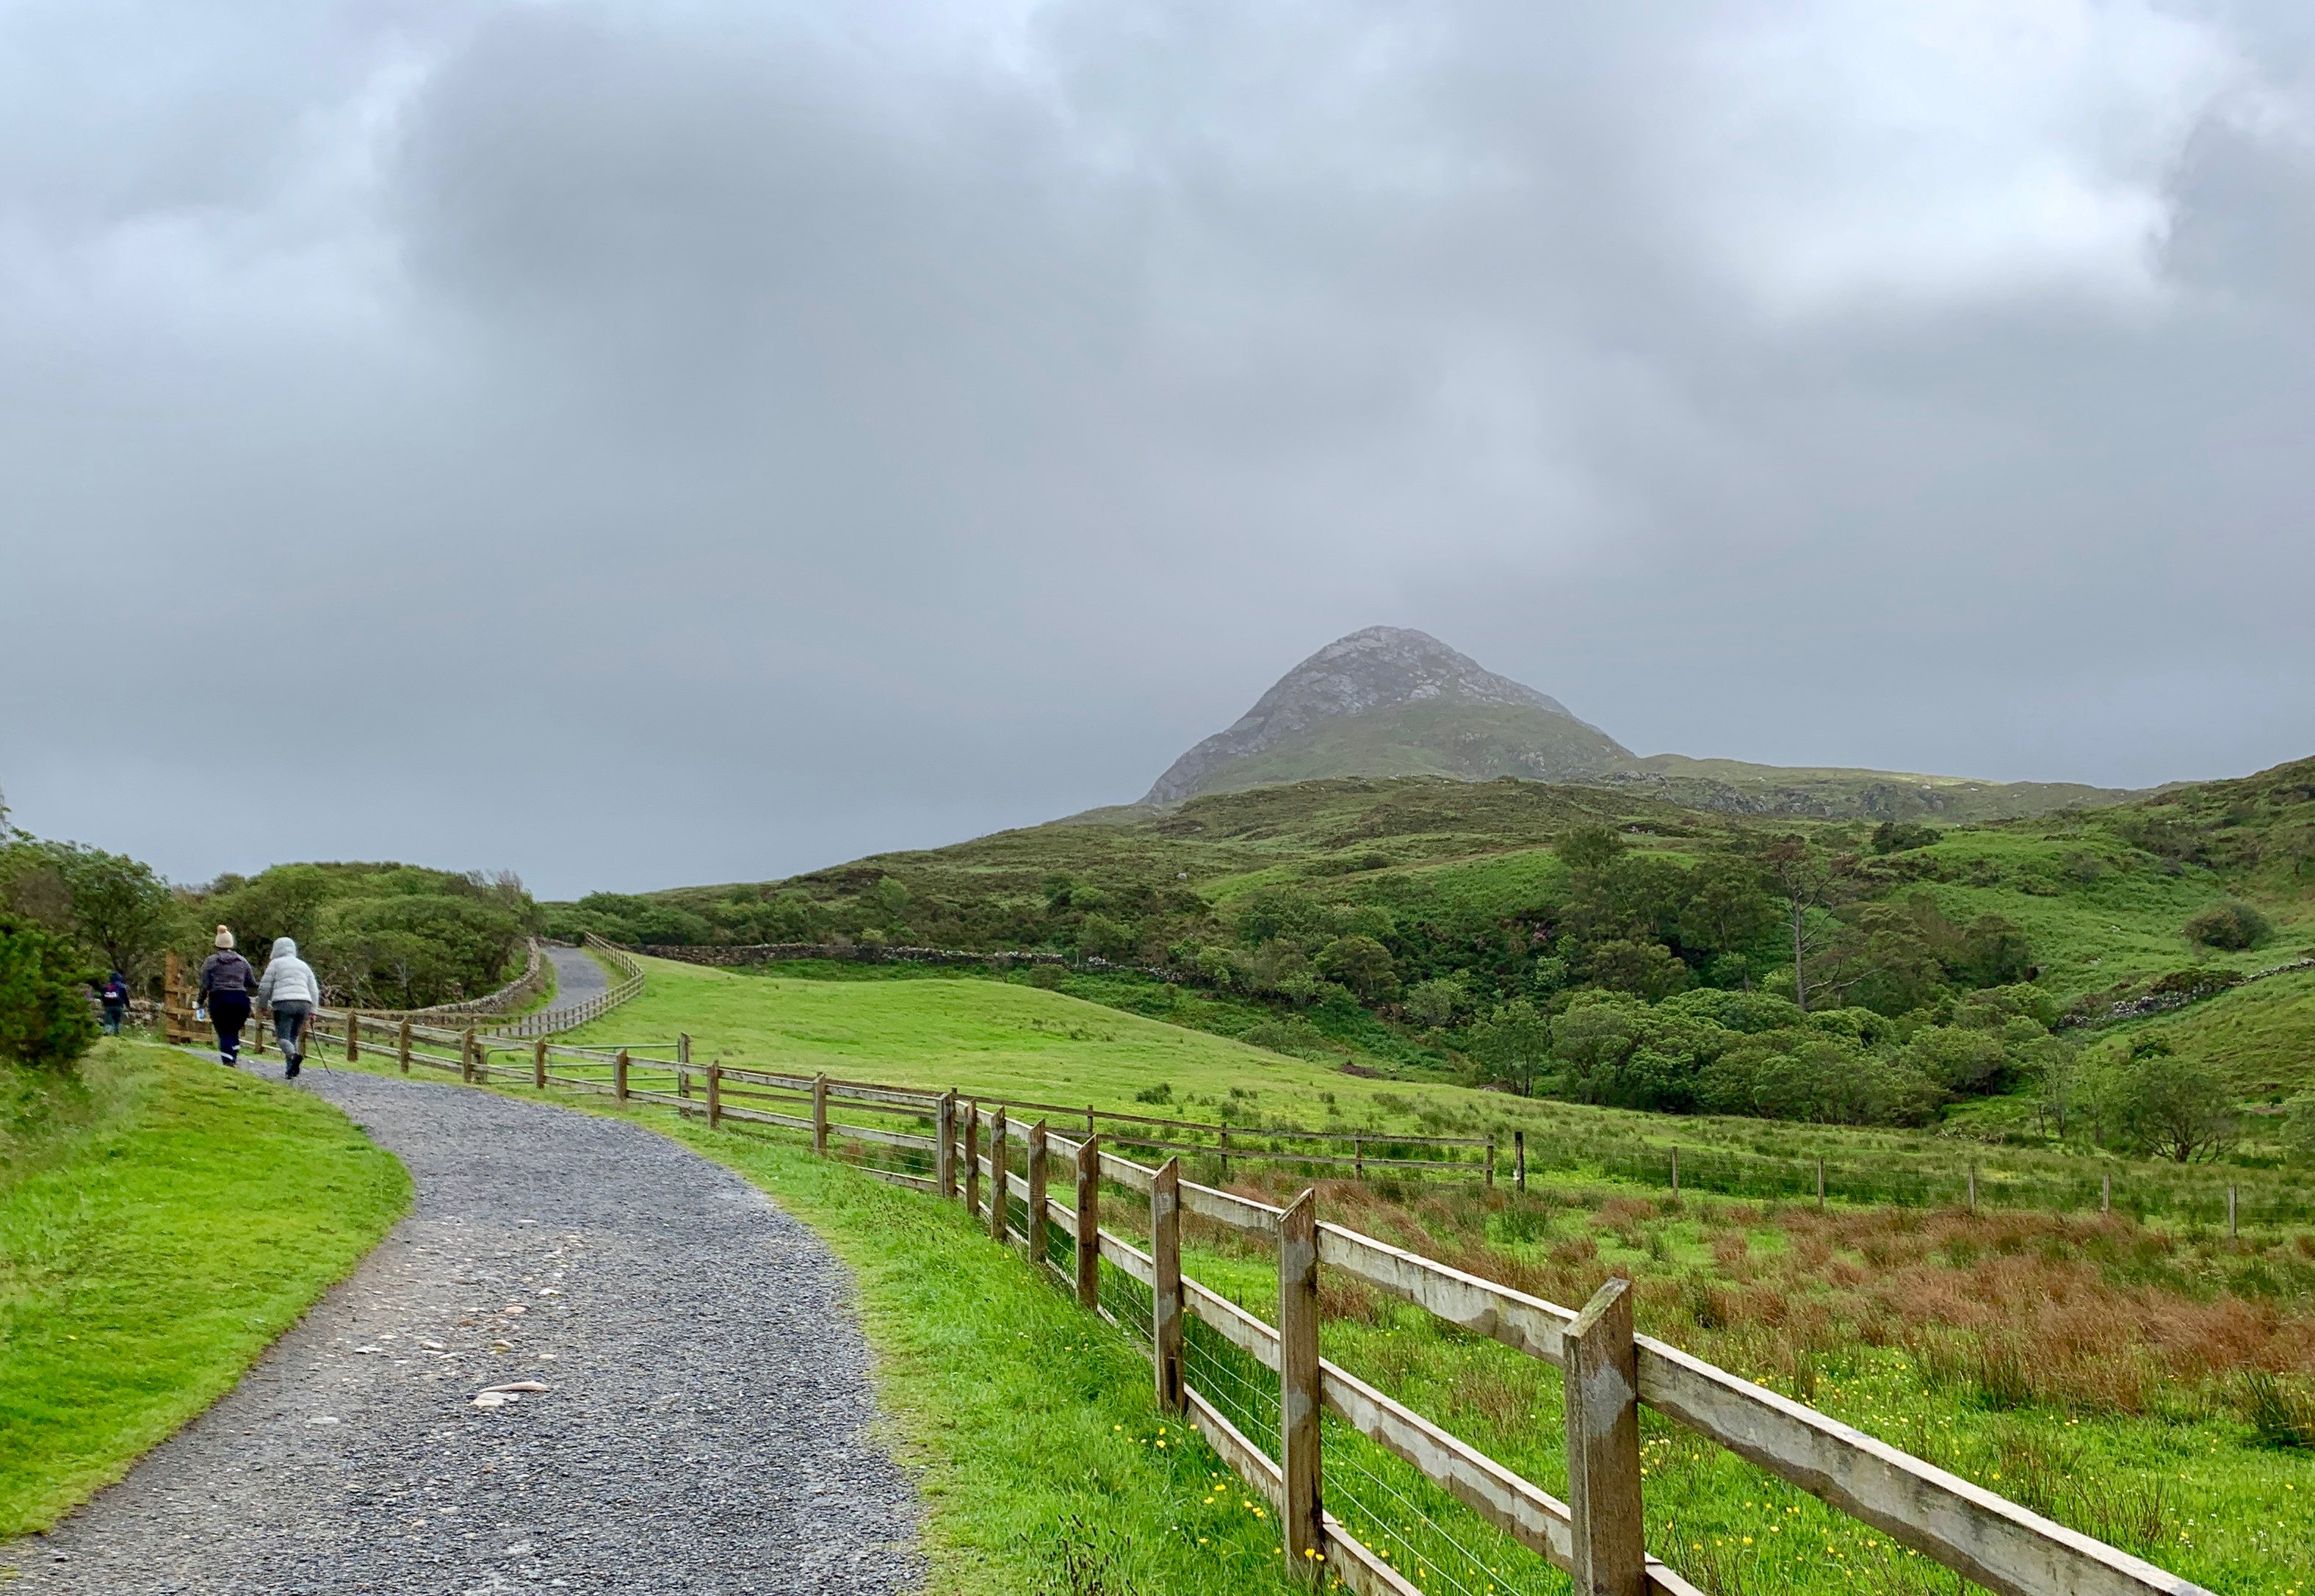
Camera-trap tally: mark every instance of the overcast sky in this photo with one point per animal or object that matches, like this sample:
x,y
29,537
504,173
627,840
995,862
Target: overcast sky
x,y
644,444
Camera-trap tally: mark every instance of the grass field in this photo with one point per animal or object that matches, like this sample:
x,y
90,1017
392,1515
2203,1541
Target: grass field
x,y
160,1224
998,1038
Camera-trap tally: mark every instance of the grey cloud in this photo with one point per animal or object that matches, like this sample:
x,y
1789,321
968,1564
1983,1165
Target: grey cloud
x,y
718,441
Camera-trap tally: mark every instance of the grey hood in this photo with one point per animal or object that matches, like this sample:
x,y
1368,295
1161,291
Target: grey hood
x,y
283,948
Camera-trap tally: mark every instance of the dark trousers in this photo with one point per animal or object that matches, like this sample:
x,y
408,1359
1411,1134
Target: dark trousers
x,y
289,1029
114,1014
228,1012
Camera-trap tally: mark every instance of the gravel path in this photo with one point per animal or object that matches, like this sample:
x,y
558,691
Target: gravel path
x,y
706,1427
577,977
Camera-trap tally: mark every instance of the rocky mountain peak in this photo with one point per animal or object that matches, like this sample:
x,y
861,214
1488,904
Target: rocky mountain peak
x,y
1379,668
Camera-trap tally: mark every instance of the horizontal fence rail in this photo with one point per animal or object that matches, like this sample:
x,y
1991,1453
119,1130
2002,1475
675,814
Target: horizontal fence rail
x,y
1258,1390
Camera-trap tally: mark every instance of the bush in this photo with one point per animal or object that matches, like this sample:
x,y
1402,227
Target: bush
x,y
44,1019
2231,925
1047,977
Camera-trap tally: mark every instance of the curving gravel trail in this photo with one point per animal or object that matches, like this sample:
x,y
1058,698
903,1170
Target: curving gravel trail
x,y
706,1425
577,977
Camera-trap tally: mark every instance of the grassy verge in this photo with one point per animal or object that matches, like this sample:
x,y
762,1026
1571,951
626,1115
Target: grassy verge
x,y
162,1221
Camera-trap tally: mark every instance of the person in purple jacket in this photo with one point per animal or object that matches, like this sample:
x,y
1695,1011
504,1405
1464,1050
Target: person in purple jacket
x,y
227,984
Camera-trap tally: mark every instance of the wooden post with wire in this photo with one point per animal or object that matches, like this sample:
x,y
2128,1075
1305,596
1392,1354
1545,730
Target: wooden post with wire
x,y
1491,1163
1603,1447
469,1064
715,1095
1519,1161
1036,1237
620,1077
1089,1224
973,1159
1165,1282
1301,1521
945,1145
819,1114
1675,1174
999,1188
538,1063
353,1036
401,1045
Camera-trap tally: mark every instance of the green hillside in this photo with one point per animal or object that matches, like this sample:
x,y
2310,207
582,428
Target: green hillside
x,y
1735,787
1608,947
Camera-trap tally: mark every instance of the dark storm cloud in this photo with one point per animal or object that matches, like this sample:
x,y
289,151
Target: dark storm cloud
x,y
644,444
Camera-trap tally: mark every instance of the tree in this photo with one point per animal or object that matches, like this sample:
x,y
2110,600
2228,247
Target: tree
x,y
2173,1108
1805,881
44,1011
2231,924
1360,962
1512,1045
1646,969
119,907
1438,1002
1589,847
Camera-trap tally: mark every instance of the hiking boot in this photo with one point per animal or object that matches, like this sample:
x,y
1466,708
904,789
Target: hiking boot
x,y
291,1073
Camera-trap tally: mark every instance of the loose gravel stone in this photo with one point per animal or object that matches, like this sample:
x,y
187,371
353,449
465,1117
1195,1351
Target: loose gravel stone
x,y
706,1424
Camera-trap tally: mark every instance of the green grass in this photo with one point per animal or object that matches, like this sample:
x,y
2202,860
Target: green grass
x,y
1003,1039
2260,1036
172,1221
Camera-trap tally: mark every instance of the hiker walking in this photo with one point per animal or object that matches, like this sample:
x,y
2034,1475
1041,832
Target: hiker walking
x,y
292,991
114,998
227,982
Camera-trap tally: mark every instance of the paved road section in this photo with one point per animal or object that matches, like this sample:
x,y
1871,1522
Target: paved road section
x,y
707,1424
577,977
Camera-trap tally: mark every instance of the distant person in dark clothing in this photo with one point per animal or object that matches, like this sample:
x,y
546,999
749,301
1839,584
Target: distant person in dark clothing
x,y
114,997
292,991
226,983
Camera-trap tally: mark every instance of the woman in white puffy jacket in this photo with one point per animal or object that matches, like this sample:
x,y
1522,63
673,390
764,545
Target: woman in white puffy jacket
x,y
290,988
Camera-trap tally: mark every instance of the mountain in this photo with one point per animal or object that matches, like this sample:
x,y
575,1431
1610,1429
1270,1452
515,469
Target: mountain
x,y
1391,702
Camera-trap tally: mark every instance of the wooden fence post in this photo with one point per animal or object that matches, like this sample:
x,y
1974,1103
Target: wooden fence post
x,y
2106,1192
1037,1194
173,992
467,1061
1491,1163
1301,1522
2232,1229
1820,1188
1973,1184
715,1096
945,1145
620,1077
819,1114
1224,1140
1089,1224
538,1063
1519,1161
973,1159
1604,1447
1358,1157
1675,1174
1089,1129
353,1036
1165,1284
1000,1193
401,1046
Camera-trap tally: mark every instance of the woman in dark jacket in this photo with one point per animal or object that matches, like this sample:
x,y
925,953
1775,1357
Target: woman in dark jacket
x,y
226,983
114,995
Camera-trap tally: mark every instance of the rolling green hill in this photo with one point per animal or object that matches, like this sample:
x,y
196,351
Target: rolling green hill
x,y
1391,925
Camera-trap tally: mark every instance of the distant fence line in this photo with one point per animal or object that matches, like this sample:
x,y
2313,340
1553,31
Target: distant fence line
x,y
1267,1401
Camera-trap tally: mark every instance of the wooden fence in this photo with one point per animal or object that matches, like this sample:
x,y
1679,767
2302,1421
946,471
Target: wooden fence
x,y
561,1016
979,1155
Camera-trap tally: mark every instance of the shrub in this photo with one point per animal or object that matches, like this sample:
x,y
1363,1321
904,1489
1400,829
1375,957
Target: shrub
x,y
1440,1002
45,1018
1047,977
1360,962
2231,924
